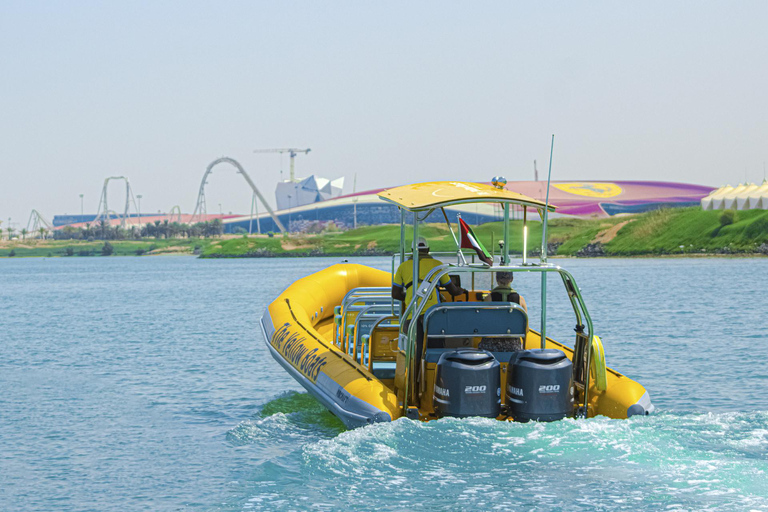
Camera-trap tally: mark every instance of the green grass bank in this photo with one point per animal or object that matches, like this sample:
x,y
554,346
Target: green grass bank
x,y
82,248
657,233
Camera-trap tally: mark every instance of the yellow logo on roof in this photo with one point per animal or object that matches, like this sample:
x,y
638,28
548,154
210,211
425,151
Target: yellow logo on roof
x,y
590,189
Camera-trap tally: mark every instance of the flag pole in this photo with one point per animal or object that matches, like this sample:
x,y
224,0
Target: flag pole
x,y
459,254
544,254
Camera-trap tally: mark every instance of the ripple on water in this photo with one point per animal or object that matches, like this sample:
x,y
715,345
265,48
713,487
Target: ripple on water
x,y
692,461
143,384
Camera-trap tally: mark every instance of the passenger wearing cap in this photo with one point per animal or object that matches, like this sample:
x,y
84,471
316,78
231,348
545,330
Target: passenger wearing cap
x,y
402,289
504,291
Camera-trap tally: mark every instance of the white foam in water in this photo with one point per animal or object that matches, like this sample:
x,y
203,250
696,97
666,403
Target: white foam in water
x,y
666,460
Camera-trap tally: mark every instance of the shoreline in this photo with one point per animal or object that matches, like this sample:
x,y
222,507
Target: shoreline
x,y
671,233
373,254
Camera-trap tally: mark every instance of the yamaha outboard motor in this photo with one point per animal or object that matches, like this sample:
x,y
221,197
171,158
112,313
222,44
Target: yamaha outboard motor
x,y
467,383
539,385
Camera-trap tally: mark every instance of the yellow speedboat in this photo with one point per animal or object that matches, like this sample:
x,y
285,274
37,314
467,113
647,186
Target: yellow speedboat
x,y
341,335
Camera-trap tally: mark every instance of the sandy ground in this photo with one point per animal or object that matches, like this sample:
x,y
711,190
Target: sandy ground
x,y
288,245
609,234
173,249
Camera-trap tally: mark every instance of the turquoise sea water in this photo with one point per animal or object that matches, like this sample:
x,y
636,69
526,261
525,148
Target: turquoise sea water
x,y
144,384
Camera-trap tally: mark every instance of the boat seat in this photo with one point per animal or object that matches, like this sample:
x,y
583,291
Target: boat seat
x,y
361,329
451,325
383,342
365,309
384,369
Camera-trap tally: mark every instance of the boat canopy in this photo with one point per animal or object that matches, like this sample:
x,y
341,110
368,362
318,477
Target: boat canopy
x,y
437,194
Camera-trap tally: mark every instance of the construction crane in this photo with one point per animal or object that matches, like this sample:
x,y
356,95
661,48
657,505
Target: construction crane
x,y
291,151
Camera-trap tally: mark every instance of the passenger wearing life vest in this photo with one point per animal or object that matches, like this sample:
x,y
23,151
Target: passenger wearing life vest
x,y
402,289
504,291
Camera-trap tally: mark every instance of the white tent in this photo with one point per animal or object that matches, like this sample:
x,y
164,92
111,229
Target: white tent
x,y
746,196
706,202
729,201
715,199
742,198
758,198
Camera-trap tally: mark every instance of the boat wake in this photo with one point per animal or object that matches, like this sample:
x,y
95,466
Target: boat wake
x,y
713,461
292,414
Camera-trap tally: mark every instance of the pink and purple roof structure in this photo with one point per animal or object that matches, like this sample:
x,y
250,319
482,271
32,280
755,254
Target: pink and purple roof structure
x,y
577,198
608,198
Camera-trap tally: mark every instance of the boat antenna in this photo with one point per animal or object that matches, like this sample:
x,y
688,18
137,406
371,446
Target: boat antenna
x,y
546,206
544,253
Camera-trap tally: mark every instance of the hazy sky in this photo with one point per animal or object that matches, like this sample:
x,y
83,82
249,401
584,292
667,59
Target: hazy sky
x,y
396,92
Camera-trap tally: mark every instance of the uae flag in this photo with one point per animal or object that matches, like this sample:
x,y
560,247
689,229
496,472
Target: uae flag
x,y
470,241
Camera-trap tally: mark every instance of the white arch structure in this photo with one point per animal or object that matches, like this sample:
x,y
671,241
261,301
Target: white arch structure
x,y
37,221
201,210
103,212
176,210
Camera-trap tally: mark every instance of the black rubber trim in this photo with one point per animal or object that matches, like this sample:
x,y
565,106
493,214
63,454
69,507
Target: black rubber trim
x,y
335,352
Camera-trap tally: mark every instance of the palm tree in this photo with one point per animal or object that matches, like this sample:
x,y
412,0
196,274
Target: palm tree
x,y
42,233
24,233
102,229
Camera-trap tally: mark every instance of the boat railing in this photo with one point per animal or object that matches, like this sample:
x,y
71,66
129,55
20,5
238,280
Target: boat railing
x,y
426,287
360,295
392,322
364,322
362,292
348,313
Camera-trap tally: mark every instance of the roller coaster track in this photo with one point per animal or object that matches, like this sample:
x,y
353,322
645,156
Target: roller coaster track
x,y
36,222
103,212
176,210
201,210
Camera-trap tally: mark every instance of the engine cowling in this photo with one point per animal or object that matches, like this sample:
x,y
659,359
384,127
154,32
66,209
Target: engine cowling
x,y
467,383
539,385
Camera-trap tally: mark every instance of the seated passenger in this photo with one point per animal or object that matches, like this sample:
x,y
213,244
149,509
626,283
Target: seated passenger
x,y
504,291
402,289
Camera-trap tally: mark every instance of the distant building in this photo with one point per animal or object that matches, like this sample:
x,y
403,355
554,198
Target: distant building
x,y
314,189
316,200
575,198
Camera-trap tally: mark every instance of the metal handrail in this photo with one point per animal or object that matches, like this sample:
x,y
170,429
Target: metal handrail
x,y
373,328
430,282
356,294
362,290
354,307
361,315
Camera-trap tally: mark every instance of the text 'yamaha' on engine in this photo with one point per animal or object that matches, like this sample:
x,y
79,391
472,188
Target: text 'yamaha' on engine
x,y
467,383
539,385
